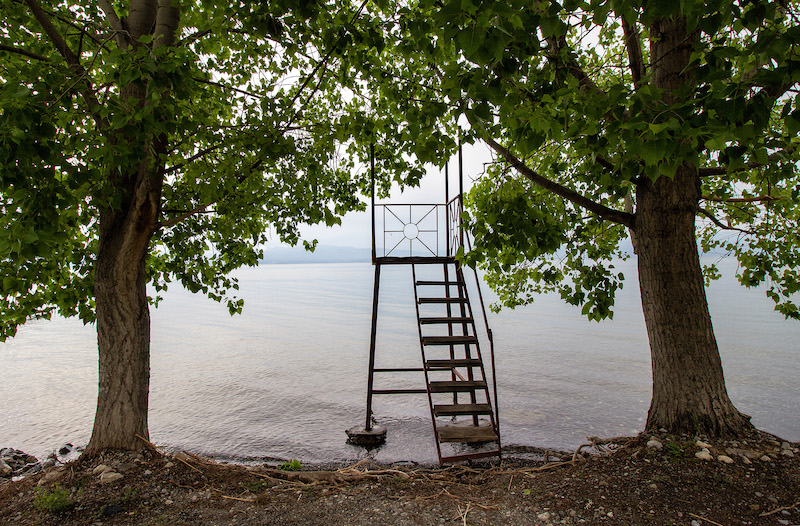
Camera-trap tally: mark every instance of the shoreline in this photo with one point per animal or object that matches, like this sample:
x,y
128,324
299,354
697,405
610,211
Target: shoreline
x,y
650,479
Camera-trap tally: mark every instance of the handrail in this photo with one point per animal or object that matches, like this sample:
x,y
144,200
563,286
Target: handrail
x,y
491,344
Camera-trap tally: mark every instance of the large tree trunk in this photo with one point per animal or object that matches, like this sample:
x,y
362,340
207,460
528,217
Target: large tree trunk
x,y
123,338
689,392
123,316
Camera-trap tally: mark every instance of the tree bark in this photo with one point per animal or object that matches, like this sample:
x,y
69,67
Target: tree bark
x,y
689,393
123,336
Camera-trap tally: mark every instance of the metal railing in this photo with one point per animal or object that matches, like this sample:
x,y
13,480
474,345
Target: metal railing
x,y
419,230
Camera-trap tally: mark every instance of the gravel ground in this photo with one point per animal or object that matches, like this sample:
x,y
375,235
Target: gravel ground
x,y
649,479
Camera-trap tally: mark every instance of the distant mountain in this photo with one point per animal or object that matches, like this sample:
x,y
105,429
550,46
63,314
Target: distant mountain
x,y
322,254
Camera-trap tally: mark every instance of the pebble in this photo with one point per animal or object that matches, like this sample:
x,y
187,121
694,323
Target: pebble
x,y
787,453
695,523
725,458
169,464
704,455
765,458
544,516
701,444
110,476
51,476
99,470
654,444
5,469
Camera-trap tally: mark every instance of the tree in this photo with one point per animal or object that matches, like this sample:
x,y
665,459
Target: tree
x,y
672,122
154,141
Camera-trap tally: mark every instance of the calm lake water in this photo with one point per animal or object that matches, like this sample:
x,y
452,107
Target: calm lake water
x,y
286,379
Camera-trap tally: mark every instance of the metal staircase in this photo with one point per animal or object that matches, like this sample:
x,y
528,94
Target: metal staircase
x,y
463,411
455,377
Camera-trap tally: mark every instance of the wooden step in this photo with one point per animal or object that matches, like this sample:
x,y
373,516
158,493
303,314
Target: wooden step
x,y
466,434
448,340
442,300
462,409
456,386
452,364
444,319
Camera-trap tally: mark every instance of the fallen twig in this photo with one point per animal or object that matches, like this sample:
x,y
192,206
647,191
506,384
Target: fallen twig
x,y
149,444
778,510
704,519
194,468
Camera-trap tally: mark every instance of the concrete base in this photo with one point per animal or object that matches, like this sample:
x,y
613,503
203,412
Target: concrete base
x,y
360,436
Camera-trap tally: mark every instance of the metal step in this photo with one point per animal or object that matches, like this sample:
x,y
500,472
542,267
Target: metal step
x,y
441,283
467,434
442,300
448,340
444,319
451,364
456,386
462,409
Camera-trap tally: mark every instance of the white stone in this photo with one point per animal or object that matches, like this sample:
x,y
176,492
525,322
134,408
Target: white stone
x,y
544,516
704,455
654,444
746,460
725,458
110,476
765,458
787,453
702,444
695,523
169,464
99,470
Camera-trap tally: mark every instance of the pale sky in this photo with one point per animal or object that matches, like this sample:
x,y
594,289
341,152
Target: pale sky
x,y
355,228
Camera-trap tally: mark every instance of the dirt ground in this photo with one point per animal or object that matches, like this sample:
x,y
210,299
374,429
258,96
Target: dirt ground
x,y
649,479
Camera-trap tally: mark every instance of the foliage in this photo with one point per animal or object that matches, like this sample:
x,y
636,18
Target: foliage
x,y
564,93
253,122
52,500
291,465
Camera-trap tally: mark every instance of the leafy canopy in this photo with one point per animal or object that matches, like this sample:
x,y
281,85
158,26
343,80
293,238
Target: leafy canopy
x,y
262,113
564,93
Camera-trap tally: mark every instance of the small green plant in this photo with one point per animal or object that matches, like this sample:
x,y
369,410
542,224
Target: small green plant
x,y
676,450
292,465
52,500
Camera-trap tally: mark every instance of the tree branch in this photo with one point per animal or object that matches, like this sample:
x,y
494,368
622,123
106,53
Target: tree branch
x,y
53,34
115,23
194,37
319,66
73,61
570,195
719,223
223,86
758,199
634,46
709,171
174,221
559,48
20,51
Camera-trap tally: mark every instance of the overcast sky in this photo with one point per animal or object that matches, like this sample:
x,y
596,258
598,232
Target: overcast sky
x,y
355,228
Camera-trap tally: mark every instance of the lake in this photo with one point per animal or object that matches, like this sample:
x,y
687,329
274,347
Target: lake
x,y
286,378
